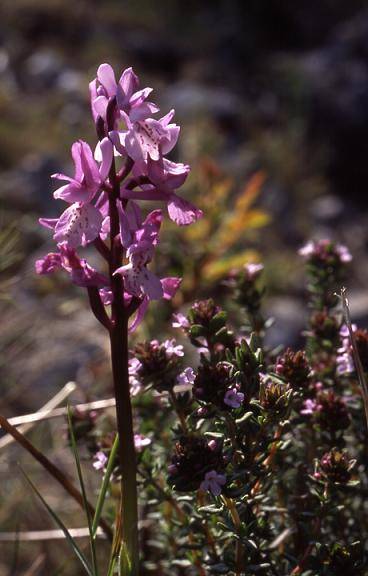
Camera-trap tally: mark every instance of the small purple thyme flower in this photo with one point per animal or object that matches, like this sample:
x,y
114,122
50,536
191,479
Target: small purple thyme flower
x,y
141,442
135,383
234,398
186,378
325,250
173,349
180,321
213,482
309,407
100,461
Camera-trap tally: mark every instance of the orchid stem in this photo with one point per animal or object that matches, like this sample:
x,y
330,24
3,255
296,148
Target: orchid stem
x,y
119,358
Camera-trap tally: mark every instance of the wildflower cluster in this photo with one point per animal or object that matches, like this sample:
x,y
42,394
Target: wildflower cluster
x,y
127,165
255,433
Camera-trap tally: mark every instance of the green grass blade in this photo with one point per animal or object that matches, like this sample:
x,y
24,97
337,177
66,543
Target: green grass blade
x,y
104,486
77,551
112,565
83,491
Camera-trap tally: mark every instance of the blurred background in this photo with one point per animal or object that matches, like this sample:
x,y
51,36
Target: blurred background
x,y
272,98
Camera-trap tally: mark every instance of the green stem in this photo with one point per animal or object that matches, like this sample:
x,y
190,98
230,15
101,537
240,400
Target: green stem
x,y
119,357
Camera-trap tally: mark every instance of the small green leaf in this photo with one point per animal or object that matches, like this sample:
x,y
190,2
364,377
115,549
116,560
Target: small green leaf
x,y
197,330
218,321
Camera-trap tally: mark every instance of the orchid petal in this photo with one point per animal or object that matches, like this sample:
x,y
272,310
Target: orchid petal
x,y
182,212
78,225
106,148
106,77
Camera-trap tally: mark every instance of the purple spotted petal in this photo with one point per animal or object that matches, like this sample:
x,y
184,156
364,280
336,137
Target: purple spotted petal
x,y
151,284
78,225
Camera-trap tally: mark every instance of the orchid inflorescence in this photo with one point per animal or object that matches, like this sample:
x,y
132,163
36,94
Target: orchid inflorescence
x,y
100,196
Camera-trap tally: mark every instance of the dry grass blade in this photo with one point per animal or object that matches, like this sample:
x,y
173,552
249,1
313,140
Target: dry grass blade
x,y
357,361
58,412
44,535
46,409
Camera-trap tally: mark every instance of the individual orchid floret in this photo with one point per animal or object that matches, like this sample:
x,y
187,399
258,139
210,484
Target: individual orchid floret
x,y
140,240
169,286
78,225
81,273
151,138
81,223
234,398
133,230
164,178
88,176
213,482
138,280
130,100
167,177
